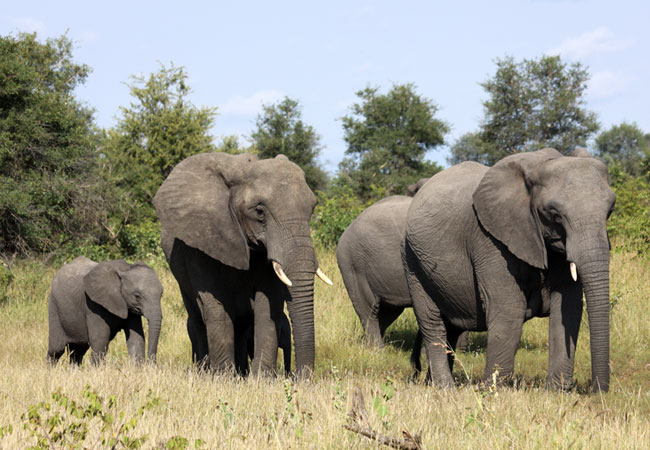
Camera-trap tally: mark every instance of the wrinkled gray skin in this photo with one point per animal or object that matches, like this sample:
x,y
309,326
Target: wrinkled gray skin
x,y
488,248
369,258
284,342
224,219
90,302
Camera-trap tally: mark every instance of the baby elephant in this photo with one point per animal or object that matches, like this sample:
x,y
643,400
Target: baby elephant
x,y
90,302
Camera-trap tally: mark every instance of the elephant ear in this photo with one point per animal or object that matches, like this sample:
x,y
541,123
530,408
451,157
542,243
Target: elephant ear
x,y
104,287
503,205
193,205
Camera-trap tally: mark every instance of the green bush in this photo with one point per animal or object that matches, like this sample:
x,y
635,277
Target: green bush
x,y
630,221
334,212
141,241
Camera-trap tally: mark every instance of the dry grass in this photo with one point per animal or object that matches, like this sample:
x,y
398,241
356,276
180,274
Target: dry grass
x,y
227,412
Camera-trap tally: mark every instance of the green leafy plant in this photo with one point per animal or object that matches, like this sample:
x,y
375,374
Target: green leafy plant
x,y
66,423
334,213
380,403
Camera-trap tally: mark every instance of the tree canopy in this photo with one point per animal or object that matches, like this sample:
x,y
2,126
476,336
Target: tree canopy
x,y
158,130
47,145
627,146
388,136
532,104
280,130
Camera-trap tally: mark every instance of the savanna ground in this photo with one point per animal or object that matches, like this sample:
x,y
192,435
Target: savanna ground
x,y
173,406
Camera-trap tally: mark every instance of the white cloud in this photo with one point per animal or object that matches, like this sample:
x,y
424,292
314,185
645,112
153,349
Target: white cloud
x,y
28,24
605,84
249,106
601,40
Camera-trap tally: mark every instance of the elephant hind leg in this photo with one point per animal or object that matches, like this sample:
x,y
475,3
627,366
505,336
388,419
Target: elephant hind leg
x,y
77,352
57,339
366,305
53,356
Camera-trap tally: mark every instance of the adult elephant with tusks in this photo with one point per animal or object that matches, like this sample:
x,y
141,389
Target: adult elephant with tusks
x,y
235,232
488,248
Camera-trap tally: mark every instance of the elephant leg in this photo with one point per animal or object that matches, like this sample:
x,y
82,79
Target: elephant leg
x,y
195,329
504,324
366,305
56,337
415,354
564,324
453,334
434,333
220,333
135,342
77,352
99,335
267,316
244,345
387,315
463,342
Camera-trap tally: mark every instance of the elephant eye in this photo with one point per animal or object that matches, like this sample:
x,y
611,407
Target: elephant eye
x,y
259,212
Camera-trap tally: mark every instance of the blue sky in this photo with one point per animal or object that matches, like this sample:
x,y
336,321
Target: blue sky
x,y
242,54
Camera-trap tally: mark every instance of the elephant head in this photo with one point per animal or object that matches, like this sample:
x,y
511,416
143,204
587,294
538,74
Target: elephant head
x,y
123,288
544,201
227,206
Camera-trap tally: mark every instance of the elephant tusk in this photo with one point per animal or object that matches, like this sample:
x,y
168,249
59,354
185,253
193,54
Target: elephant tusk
x,y
280,273
323,277
574,271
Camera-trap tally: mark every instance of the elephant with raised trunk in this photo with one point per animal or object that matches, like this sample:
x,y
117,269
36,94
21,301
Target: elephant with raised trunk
x,y
235,231
488,248
91,302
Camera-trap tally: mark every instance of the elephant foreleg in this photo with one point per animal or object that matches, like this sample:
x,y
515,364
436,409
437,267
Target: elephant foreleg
x,y
220,332
564,324
99,335
77,352
266,334
504,323
434,333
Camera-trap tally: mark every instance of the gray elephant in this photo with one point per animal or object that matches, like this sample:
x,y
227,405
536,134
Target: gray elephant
x,y
369,255
235,231
90,302
488,248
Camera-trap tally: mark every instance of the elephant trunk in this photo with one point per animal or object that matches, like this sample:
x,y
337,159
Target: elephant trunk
x,y
592,262
154,319
297,257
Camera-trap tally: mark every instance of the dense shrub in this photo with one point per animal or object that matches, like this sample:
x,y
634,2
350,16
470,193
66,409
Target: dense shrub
x,y
334,212
629,224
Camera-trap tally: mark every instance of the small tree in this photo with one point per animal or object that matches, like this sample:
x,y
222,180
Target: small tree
x,y
625,145
159,129
469,147
280,130
47,146
388,137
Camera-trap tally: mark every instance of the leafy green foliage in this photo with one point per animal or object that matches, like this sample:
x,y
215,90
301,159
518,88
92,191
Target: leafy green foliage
x,y
47,146
159,129
627,146
630,221
532,104
280,130
469,147
388,136
66,423
333,213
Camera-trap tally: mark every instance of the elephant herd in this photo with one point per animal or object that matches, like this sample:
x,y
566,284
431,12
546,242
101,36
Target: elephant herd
x,y
470,249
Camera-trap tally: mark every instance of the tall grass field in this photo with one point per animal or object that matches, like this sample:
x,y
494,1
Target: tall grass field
x,y
172,406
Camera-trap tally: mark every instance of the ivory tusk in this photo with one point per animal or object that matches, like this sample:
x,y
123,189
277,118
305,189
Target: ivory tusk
x,y
280,273
574,271
323,277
